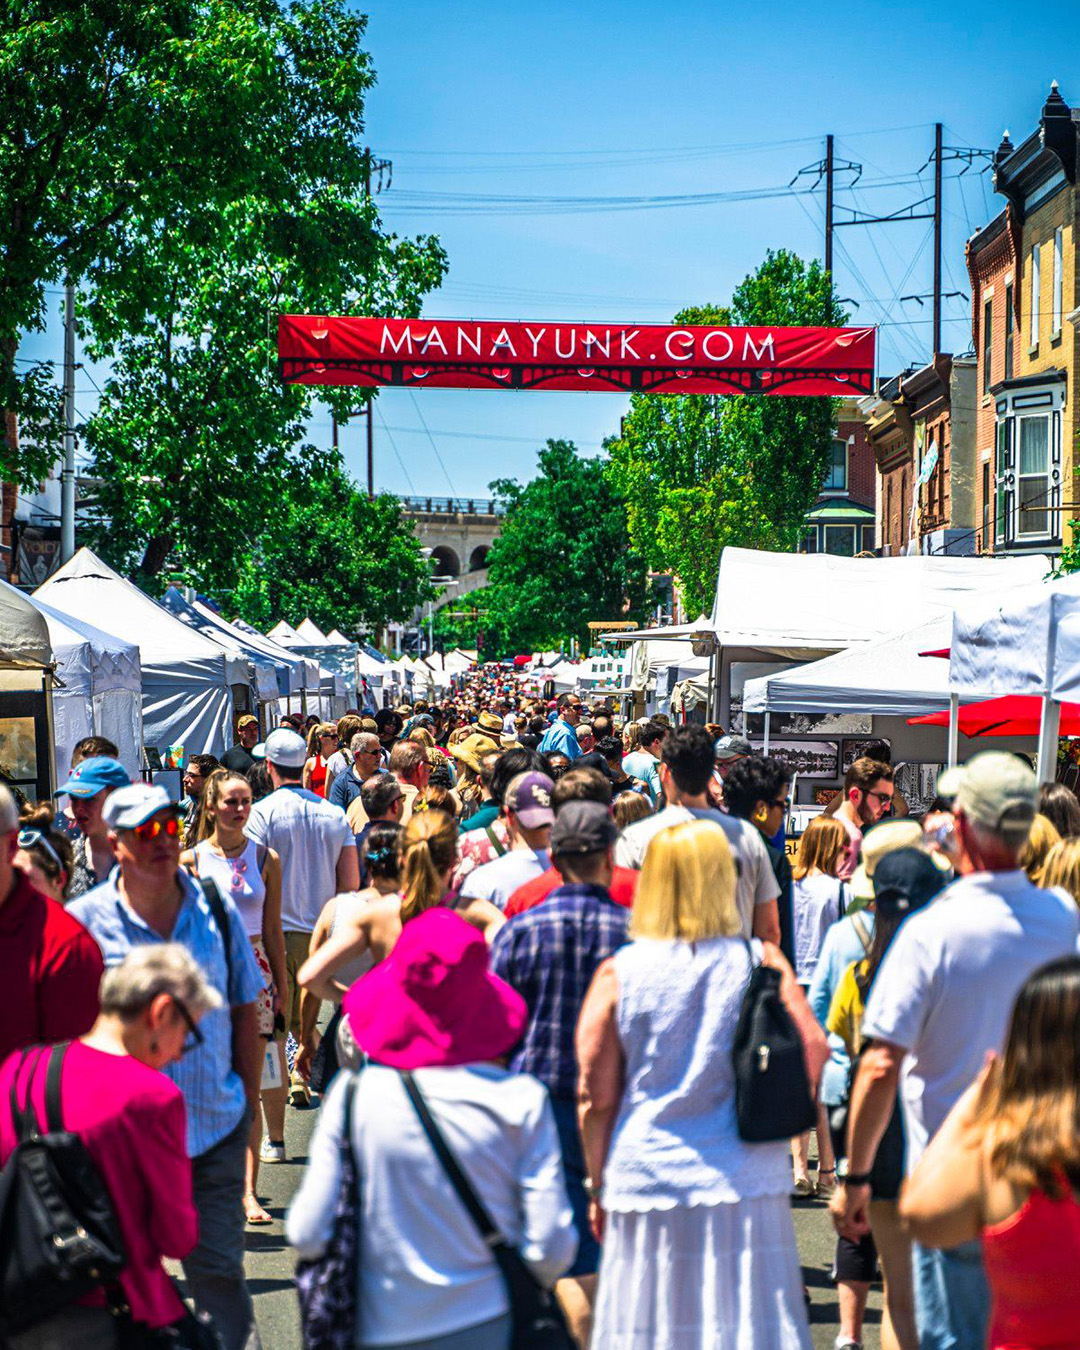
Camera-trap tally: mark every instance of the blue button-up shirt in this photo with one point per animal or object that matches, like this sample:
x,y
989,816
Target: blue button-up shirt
x,y
549,955
843,945
560,739
213,1090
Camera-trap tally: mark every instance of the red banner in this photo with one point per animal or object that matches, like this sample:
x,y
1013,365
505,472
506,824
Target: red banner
x,y
466,354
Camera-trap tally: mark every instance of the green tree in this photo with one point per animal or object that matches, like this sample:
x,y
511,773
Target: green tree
x,y
333,553
195,431
563,556
119,117
701,472
462,623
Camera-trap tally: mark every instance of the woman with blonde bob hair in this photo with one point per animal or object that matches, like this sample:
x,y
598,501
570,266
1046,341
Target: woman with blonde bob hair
x,y
1041,840
1062,867
667,1169
1005,1168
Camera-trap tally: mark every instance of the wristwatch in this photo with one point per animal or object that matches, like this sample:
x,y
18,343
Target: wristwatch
x,y
591,1188
857,1179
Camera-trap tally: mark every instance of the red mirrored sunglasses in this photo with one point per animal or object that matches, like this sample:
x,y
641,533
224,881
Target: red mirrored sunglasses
x,y
150,829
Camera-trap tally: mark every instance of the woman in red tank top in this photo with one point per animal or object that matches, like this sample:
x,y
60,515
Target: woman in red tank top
x,y
322,743
1005,1168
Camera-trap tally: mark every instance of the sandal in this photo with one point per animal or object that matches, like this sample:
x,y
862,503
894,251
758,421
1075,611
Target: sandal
x,y
254,1213
825,1188
803,1186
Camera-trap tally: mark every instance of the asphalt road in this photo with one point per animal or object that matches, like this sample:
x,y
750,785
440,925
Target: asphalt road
x,y
270,1261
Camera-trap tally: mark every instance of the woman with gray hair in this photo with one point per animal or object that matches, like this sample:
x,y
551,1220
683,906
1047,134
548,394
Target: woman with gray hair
x,y
130,1118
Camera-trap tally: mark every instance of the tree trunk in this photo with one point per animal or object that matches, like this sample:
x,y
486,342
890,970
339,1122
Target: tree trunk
x,y
156,554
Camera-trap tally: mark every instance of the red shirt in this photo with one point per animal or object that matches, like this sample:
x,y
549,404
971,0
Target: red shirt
x,y
536,891
51,971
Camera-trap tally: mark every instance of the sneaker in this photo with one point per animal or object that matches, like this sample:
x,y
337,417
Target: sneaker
x,y
846,1343
270,1152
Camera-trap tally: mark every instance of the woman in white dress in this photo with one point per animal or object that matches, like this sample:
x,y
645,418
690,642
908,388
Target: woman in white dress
x,y
699,1248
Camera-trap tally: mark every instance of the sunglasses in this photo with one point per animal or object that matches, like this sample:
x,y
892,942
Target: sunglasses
x,y
150,829
35,839
884,797
785,802
195,1037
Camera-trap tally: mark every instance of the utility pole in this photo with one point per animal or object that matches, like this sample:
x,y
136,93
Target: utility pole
x,y
829,177
937,237
67,475
333,430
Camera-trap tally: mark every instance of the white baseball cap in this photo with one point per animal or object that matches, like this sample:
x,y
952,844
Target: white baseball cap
x,y
286,748
130,806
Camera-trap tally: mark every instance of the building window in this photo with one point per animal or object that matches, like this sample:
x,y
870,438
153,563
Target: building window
x,y
1034,484
1001,469
840,540
986,504
987,336
868,538
1036,298
888,513
1008,332
809,543
903,509
836,474
1057,282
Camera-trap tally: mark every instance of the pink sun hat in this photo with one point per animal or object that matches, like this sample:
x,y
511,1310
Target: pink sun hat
x,y
433,1001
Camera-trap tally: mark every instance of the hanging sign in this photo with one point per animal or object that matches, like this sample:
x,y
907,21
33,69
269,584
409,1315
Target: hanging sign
x,y
466,354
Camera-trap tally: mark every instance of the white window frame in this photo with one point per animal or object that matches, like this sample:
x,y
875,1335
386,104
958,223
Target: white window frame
x,y
1058,283
854,528
1036,298
1046,508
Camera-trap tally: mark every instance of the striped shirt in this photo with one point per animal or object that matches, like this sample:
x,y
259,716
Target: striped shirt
x,y
213,1090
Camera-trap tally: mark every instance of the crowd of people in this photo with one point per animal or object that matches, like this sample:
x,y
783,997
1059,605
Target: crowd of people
x,y
525,935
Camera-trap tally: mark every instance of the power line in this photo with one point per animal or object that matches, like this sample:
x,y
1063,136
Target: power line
x,y
431,438
393,446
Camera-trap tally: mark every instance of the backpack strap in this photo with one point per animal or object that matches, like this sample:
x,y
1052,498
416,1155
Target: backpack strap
x,y
861,931
262,856
54,1116
496,842
212,896
22,1120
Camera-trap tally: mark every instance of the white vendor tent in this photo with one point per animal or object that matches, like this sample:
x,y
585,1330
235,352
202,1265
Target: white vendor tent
x,y
311,634
262,674
186,678
295,672
286,634
99,689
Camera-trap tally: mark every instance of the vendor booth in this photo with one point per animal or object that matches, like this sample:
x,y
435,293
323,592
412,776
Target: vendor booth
x,y
26,690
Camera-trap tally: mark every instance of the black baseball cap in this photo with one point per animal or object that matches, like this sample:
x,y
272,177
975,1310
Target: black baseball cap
x,y
905,880
583,827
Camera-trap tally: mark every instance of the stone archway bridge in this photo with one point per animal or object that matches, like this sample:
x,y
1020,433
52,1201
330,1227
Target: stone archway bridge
x,y
459,531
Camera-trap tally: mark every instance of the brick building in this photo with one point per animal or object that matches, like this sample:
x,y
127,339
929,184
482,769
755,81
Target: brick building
x,y
891,435
841,521
941,401
1024,316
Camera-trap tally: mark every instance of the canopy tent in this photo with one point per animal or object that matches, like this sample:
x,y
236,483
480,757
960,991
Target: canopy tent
x,y
888,678
336,639
263,676
300,671
99,691
186,678
312,635
24,638
286,634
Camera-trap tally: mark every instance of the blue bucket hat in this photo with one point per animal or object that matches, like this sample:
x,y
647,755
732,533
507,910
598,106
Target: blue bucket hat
x,y
89,777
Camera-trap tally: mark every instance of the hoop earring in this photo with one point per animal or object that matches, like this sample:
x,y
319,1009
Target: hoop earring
x,y
760,817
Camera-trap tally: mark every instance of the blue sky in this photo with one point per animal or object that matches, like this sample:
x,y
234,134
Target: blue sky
x,y
569,100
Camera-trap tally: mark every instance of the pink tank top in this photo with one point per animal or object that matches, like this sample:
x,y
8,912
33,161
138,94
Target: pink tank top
x,y
1032,1262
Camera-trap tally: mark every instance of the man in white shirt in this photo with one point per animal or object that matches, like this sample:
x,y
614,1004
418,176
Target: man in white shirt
x,y
318,859
941,1000
529,816
686,766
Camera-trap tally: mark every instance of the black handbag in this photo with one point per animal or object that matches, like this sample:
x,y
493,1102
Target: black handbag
x,y
193,1331
773,1100
326,1287
538,1323
325,1064
59,1237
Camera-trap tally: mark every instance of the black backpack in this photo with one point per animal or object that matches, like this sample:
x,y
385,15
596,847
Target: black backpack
x,y
59,1238
772,1091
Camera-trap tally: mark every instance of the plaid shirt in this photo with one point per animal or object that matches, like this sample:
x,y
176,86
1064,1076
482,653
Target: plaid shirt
x,y
549,955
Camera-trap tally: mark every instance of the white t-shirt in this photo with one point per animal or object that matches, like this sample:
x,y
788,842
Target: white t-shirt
x,y
338,762
757,883
308,834
498,880
815,904
946,988
510,724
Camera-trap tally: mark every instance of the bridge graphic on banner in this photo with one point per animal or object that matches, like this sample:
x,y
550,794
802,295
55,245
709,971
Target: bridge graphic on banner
x,y
465,354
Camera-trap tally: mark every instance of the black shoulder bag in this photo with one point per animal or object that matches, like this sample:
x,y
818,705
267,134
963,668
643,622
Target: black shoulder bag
x,y
772,1091
59,1237
538,1323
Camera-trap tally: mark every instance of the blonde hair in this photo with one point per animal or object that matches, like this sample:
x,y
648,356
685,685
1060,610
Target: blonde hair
x,y
319,729
160,968
1040,841
687,886
428,849
422,737
1062,867
629,807
822,846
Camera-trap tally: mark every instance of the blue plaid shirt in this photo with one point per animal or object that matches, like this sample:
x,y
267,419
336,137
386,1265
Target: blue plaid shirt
x,y
213,1090
549,955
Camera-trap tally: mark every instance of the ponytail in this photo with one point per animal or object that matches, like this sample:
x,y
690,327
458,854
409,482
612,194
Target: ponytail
x,y
428,849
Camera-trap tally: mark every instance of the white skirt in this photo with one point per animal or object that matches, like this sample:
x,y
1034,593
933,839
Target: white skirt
x,y
710,1277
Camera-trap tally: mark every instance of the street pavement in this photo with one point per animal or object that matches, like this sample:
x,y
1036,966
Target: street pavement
x,y
270,1262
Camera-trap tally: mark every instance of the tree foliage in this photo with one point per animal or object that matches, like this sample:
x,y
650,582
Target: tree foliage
x,y
195,432
699,472
563,556
333,553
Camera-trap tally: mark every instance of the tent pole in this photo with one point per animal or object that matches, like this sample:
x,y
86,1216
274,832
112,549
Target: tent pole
x,y
1046,765
954,730
765,742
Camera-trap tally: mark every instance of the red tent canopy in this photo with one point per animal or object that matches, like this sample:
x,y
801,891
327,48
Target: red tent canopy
x,y
1010,715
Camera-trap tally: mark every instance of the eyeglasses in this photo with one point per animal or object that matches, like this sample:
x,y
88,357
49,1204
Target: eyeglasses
x,y
884,797
150,829
785,802
195,1037
34,838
